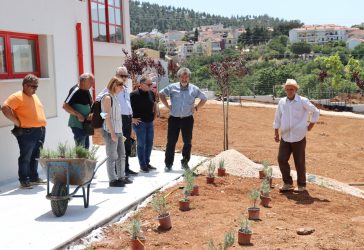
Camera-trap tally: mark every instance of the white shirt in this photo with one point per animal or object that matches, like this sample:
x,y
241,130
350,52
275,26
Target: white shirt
x,y
123,99
291,117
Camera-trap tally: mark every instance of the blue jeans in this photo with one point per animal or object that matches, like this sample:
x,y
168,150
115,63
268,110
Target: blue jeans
x,y
145,135
80,137
30,143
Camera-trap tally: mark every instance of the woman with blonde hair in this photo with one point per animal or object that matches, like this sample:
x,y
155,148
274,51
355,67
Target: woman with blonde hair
x,y
113,134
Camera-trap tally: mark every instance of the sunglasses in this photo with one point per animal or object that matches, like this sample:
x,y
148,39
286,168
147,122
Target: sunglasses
x,y
33,86
126,76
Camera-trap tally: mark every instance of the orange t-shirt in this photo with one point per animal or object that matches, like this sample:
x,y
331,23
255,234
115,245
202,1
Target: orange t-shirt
x,y
28,109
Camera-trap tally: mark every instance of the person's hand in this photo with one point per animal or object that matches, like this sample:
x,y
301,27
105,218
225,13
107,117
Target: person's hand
x,y
114,137
89,117
17,123
276,137
135,121
80,117
310,126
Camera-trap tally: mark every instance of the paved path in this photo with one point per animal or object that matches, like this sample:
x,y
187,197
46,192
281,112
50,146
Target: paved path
x,y
27,221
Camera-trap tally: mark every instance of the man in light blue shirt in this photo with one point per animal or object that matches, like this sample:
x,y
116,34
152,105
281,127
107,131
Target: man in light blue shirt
x,y
182,97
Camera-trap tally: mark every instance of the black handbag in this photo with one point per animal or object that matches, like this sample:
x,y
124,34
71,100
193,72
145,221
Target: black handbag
x,y
88,128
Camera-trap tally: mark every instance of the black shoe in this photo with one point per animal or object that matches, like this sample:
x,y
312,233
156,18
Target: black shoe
x,y
144,169
38,181
125,180
130,172
25,185
184,164
116,183
150,167
168,168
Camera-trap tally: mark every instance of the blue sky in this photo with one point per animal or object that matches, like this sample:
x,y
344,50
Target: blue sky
x,y
347,12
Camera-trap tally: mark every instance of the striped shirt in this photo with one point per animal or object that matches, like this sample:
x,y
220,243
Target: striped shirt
x,y
115,115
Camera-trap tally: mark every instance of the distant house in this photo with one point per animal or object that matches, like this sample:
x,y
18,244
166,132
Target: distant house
x,y
319,34
57,41
174,35
351,43
154,54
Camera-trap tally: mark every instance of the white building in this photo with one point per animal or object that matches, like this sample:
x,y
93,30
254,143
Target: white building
x,y
174,35
56,40
319,34
351,43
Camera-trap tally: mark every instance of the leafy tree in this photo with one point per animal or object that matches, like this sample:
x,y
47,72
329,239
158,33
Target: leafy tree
x,y
358,51
300,48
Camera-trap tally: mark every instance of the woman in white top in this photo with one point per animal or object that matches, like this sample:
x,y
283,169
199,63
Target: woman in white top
x,y
113,134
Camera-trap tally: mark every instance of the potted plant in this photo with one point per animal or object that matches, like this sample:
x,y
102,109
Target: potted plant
x,y
254,210
189,179
229,239
137,241
221,171
265,190
184,203
245,232
210,178
263,170
159,204
268,171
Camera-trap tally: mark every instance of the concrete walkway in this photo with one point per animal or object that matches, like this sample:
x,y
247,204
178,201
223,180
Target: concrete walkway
x,y
27,221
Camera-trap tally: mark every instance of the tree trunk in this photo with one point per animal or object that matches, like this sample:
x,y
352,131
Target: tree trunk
x,y
223,111
227,118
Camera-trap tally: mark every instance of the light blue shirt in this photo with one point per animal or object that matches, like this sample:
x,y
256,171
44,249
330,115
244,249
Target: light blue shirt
x,y
182,99
123,99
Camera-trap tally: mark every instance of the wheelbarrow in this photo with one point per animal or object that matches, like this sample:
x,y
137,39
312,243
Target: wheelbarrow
x,y
65,172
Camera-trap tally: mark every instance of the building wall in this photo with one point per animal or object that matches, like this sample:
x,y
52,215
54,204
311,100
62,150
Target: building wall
x,y
55,23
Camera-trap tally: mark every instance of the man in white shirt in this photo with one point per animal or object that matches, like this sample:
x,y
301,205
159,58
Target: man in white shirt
x,y
291,119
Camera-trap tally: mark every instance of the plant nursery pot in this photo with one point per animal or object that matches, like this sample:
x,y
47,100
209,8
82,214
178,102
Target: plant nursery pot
x,y
261,174
195,191
244,238
254,213
184,205
137,244
165,222
264,201
221,172
210,180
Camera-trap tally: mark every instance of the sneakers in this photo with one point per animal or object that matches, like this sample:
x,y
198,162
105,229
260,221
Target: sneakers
x,y
25,185
168,168
286,188
299,189
39,181
116,183
144,169
150,167
125,180
130,172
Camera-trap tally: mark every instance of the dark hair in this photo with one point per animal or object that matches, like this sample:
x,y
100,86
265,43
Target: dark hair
x,y
30,78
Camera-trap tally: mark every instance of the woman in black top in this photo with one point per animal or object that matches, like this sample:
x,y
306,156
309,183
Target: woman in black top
x,y
143,105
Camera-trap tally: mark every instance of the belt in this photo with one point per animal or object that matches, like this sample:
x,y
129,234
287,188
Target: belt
x,y
181,117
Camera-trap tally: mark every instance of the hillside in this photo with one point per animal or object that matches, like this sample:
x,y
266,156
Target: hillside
x,y
146,16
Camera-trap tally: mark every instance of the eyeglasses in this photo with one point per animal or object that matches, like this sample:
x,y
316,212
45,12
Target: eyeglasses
x,y
33,86
120,85
126,76
150,84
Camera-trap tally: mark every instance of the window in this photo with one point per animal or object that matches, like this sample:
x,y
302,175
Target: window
x,y
19,55
107,21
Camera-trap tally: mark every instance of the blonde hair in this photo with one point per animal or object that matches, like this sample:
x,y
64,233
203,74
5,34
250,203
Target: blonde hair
x,y
113,84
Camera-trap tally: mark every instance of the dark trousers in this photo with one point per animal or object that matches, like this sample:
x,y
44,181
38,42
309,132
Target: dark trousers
x,y
298,151
127,133
80,137
175,125
30,143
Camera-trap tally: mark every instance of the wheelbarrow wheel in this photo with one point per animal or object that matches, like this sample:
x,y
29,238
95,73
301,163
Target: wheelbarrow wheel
x,y
59,207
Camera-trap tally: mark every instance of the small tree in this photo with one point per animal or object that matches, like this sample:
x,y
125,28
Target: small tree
x,y
139,65
223,72
265,188
245,226
135,228
159,204
189,178
222,163
229,239
254,195
211,169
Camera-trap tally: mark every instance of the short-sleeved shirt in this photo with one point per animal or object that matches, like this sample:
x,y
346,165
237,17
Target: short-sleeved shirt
x,y
81,101
182,98
28,109
142,104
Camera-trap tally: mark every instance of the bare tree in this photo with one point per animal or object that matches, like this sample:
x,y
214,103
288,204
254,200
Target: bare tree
x,y
223,72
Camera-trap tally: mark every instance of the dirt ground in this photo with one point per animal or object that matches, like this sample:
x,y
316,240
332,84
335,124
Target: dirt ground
x,y
334,149
338,219
335,146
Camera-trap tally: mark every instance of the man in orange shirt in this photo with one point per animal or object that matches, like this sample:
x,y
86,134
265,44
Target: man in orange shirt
x,y
26,111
